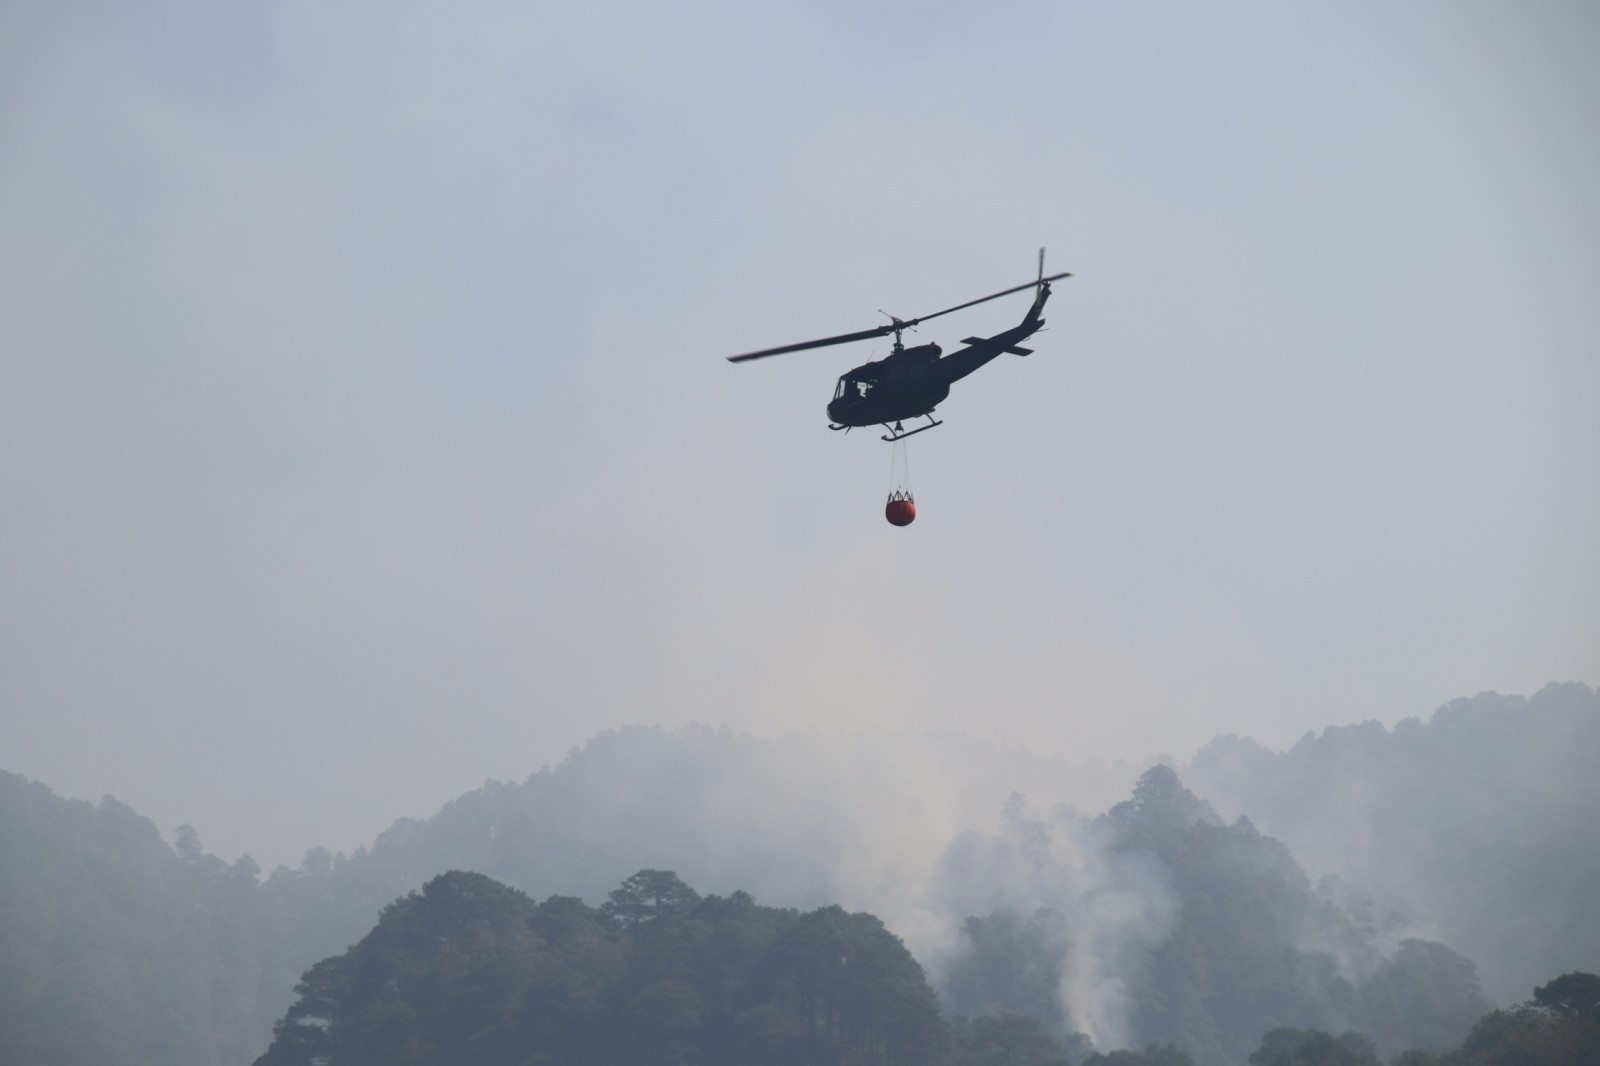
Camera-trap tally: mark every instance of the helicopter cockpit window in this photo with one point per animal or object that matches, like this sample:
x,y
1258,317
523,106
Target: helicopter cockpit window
x,y
851,388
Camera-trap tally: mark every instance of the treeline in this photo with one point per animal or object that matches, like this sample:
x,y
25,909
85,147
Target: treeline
x,y
1559,1026
470,971
167,955
1209,933
116,948
1477,825
1156,923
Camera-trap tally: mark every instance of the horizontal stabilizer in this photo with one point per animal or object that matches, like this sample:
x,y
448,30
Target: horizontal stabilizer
x,y
1014,349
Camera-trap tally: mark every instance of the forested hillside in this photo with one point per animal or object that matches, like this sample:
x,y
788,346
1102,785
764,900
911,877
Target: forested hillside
x,y
1177,915
114,948
1156,923
1476,827
169,955
470,971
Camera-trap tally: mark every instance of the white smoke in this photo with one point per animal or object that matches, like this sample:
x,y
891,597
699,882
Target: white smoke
x,y
1126,908
1115,906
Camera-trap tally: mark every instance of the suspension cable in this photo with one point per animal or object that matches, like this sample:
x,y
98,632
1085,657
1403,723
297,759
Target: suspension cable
x,y
900,469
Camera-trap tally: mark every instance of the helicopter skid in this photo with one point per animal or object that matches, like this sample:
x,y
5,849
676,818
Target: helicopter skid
x,y
901,434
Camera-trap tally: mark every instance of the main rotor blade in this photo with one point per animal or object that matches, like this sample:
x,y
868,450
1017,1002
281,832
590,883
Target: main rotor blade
x,y
844,338
892,327
985,299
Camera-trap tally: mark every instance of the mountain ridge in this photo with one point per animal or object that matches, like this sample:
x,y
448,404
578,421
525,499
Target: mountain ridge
x,y
803,823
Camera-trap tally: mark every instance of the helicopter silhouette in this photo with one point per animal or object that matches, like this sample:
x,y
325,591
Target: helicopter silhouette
x,y
909,383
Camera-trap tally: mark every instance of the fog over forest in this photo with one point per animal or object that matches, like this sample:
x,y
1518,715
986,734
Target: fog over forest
x,y
1395,882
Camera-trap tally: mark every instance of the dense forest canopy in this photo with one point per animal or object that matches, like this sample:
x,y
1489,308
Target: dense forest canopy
x,y
1391,883
470,971
1215,937
1476,828
114,947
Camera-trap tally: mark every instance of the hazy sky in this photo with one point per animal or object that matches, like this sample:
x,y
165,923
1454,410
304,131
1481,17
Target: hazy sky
x,y
365,430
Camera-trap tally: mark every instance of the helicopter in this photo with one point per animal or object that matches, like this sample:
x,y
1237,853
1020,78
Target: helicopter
x,y
909,383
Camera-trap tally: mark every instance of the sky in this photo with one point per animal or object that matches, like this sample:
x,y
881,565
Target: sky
x,y
365,431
